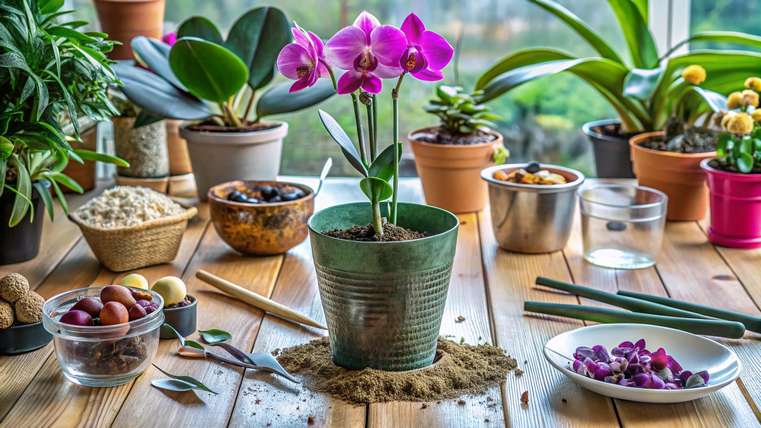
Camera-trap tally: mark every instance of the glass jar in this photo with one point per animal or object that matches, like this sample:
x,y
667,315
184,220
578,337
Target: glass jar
x,y
622,225
102,356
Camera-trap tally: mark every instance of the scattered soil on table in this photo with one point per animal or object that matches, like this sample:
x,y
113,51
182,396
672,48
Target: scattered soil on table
x,y
462,369
442,136
391,232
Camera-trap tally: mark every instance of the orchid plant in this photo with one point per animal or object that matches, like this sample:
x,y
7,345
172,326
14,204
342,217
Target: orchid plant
x,y
364,54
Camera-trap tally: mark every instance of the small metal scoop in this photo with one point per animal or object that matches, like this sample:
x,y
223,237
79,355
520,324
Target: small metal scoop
x,y
259,360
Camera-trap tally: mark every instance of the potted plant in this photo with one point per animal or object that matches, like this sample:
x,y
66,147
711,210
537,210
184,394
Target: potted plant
x,y
124,20
47,69
734,176
449,157
619,81
383,268
669,160
214,82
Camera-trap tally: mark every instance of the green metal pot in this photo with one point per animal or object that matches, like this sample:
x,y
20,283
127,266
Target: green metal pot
x,y
383,301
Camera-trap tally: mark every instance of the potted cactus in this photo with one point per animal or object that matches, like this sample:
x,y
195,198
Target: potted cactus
x,y
65,75
449,157
383,267
620,81
214,82
734,176
669,160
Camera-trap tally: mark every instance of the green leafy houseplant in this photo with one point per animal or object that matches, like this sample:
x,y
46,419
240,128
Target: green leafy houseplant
x,y
459,111
206,77
48,70
642,89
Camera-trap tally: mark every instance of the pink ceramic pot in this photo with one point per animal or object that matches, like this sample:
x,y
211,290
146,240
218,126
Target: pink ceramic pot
x,y
735,201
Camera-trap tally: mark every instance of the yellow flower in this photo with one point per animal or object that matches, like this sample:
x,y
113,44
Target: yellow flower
x,y
694,74
735,100
753,83
756,115
750,98
740,123
726,118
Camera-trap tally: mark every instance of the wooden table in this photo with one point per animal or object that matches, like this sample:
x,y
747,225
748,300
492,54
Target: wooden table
x,y
488,288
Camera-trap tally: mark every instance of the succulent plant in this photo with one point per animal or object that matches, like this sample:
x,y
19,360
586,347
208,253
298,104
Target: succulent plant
x,y
459,111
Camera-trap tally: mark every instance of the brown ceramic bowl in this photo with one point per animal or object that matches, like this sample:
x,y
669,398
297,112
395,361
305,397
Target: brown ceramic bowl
x,y
260,229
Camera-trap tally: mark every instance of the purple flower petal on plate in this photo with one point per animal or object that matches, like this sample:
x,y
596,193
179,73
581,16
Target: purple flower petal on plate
x,y
640,344
674,365
659,359
601,354
583,352
704,375
642,380
656,383
578,367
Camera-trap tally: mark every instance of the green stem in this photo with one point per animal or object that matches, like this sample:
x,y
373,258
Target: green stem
x,y
377,221
371,132
249,105
360,131
375,122
395,141
231,114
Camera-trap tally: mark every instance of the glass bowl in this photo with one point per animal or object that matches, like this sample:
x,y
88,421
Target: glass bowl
x,y
102,356
622,225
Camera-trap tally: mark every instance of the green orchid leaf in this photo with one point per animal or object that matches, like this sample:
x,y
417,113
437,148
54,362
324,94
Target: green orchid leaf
x,y
156,95
642,47
154,54
714,100
23,201
209,71
516,60
44,192
215,335
196,383
277,99
203,28
344,142
383,166
377,190
581,28
192,344
174,385
257,38
101,157
641,83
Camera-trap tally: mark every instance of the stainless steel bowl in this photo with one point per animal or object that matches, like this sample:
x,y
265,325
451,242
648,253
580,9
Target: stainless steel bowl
x,y
532,218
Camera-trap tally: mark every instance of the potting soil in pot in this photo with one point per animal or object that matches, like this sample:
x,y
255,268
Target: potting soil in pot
x,y
391,232
442,136
459,369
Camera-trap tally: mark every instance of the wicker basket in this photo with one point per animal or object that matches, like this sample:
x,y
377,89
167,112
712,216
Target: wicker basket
x,y
128,248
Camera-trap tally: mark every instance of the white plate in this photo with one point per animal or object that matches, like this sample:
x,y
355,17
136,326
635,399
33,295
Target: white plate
x,y
694,353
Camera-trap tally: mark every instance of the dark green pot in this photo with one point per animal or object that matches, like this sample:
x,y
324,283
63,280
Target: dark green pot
x,y
383,301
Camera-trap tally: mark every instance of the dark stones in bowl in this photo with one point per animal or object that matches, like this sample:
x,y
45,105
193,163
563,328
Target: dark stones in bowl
x,y
183,318
22,338
263,228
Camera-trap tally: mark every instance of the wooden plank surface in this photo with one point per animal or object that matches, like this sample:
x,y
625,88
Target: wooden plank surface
x,y
488,288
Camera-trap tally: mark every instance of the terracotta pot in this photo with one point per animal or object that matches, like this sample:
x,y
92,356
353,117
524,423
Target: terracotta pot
x,y
222,156
451,174
678,175
84,173
125,19
179,159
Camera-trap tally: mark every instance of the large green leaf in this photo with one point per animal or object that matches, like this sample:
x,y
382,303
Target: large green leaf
x,y
642,47
277,99
44,192
344,142
377,190
732,37
714,100
257,38
49,6
208,70
101,157
6,148
581,28
203,28
519,59
23,191
641,83
383,166
154,94
154,54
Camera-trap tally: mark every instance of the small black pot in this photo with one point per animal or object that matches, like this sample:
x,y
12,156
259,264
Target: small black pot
x,y
22,338
611,149
22,242
183,320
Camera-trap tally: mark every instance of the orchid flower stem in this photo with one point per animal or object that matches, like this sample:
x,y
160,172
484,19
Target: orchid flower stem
x,y
371,132
395,120
375,122
360,131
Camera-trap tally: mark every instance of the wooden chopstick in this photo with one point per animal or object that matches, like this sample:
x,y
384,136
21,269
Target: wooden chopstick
x,y
256,300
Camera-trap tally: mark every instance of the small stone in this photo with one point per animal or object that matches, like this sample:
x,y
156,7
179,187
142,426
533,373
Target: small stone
x,y
267,192
291,196
310,420
237,196
276,198
424,406
615,226
533,167
518,371
461,402
459,319
524,398
563,400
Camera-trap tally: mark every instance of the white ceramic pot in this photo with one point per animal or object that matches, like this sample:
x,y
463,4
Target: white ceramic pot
x,y
218,157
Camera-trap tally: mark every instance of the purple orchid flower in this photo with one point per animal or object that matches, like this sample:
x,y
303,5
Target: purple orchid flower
x,y
368,52
427,52
659,359
303,60
169,38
